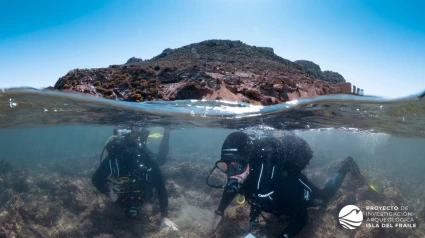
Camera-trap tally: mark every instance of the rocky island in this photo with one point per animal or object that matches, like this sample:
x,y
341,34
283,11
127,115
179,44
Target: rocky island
x,y
211,70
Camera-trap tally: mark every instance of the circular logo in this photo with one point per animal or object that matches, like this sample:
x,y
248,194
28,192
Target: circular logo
x,y
350,217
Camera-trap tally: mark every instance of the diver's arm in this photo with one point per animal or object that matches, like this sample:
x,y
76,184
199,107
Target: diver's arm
x,y
159,184
163,147
225,201
99,178
336,180
296,224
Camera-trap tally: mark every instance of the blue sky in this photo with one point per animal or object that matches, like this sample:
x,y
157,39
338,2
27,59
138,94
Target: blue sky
x,y
376,45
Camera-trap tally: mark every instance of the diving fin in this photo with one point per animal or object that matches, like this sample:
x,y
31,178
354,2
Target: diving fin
x,y
355,171
155,135
250,236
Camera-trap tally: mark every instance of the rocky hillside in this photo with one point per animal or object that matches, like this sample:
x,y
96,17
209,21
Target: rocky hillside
x,y
315,71
213,69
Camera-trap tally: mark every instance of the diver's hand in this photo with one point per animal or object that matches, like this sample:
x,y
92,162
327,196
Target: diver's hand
x,y
216,222
168,223
241,177
253,224
113,196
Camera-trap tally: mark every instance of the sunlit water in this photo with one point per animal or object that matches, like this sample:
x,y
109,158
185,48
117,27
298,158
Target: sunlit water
x,y
385,136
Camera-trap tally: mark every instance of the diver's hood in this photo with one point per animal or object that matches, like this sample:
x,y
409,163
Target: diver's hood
x,y
236,148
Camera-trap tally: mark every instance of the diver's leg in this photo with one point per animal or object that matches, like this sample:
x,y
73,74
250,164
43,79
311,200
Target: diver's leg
x,y
253,216
296,224
164,147
335,182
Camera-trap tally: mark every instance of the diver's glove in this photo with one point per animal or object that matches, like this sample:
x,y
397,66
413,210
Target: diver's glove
x,y
218,218
253,223
232,186
168,223
113,196
113,192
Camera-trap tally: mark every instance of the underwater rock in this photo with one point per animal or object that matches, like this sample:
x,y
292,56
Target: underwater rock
x,y
190,174
68,206
47,181
105,236
173,190
421,212
235,222
5,167
5,196
75,194
12,223
166,233
20,184
46,214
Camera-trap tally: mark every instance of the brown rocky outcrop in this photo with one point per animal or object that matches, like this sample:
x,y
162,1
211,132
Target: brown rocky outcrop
x,y
213,69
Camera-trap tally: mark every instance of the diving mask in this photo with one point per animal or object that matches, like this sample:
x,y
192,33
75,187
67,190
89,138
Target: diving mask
x,y
122,132
230,168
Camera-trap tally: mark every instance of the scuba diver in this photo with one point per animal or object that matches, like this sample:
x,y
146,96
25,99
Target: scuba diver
x,y
267,172
130,171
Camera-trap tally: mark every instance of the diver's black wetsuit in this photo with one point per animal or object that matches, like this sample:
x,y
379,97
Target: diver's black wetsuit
x,y
287,195
163,148
127,160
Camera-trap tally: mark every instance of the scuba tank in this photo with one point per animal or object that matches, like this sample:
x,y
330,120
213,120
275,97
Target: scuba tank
x,y
267,162
118,134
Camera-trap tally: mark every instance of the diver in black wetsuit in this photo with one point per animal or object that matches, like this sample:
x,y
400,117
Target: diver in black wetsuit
x,y
268,173
130,171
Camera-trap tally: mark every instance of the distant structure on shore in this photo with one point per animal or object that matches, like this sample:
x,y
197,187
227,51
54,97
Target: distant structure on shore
x,y
357,91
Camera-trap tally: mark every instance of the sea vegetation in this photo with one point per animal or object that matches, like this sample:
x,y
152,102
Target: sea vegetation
x,y
67,205
133,83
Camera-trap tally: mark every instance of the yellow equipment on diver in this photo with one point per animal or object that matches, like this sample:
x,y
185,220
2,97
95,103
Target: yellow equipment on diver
x,y
240,199
373,188
155,135
104,151
119,180
110,138
356,168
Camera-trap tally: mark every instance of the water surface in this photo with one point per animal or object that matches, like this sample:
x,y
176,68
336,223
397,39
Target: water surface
x,y
48,132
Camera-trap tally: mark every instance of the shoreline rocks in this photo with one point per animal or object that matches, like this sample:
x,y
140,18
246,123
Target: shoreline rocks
x,y
211,70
